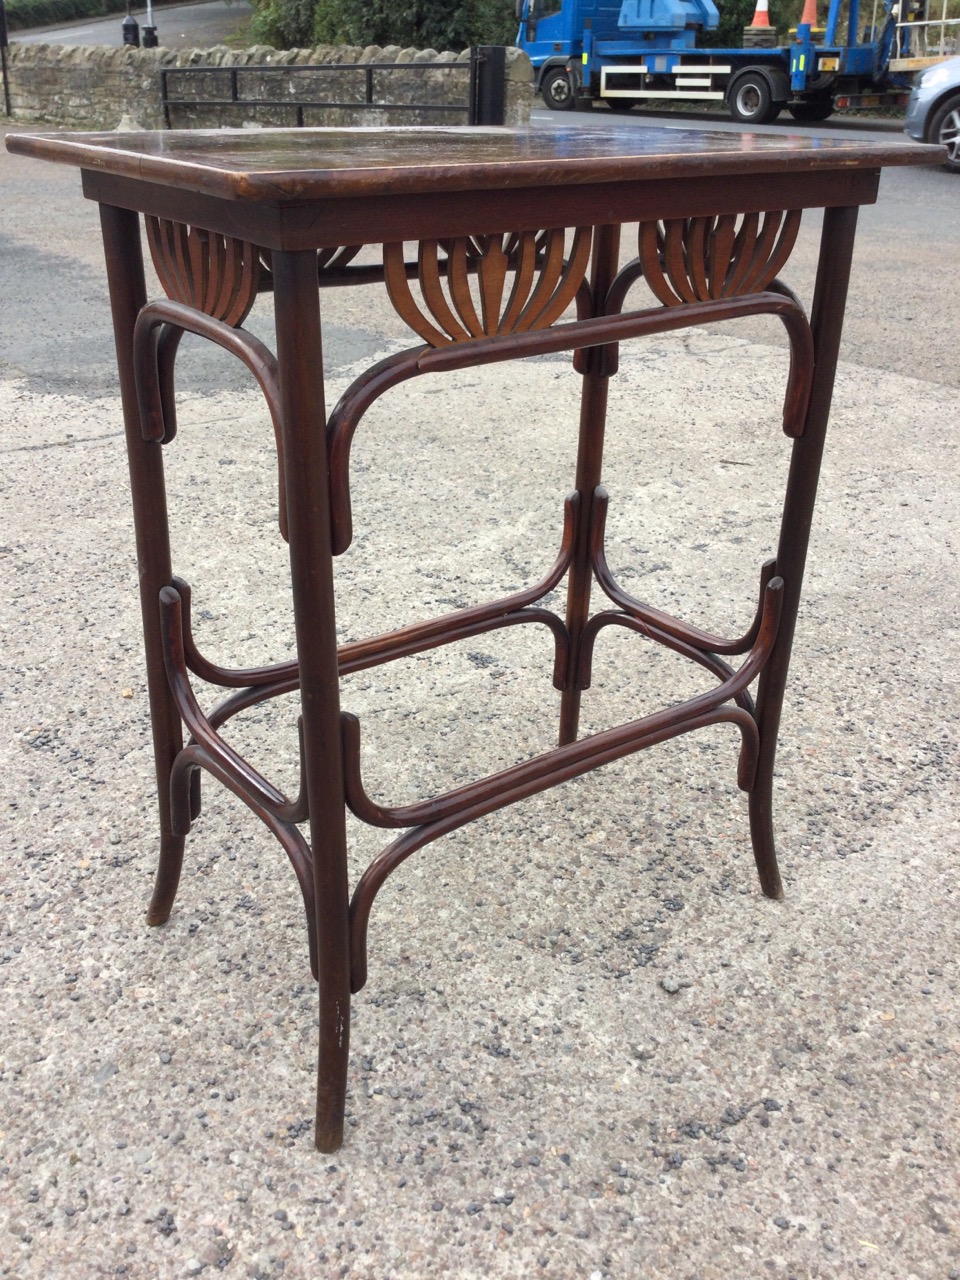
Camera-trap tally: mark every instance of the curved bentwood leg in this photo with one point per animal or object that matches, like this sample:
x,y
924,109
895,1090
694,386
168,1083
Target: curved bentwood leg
x,y
124,260
833,274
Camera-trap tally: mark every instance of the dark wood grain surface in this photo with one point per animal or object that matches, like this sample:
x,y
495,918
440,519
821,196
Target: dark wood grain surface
x,y
308,164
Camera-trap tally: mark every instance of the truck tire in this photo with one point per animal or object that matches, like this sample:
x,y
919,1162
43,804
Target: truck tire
x,y
556,90
750,99
945,129
811,112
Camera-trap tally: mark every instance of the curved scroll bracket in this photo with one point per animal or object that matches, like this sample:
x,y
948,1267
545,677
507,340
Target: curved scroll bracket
x,y
155,342
609,617
194,757
577,336
256,790
225,677
207,750
683,632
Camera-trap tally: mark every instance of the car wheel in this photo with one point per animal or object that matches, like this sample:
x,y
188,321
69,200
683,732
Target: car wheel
x,y
945,129
751,101
556,90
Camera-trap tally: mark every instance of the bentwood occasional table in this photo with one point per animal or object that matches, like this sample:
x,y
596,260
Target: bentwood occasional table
x,y
485,238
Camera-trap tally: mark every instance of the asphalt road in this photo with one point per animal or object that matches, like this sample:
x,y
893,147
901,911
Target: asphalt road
x,y
187,26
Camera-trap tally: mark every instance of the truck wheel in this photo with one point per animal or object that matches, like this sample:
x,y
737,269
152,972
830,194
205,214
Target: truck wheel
x,y
751,101
945,129
556,90
811,112
621,104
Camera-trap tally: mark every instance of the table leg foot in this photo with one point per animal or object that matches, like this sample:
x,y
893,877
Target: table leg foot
x,y
761,834
332,1070
167,879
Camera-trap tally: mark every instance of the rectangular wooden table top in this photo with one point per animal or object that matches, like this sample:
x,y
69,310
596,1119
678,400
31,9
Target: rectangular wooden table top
x,y
272,165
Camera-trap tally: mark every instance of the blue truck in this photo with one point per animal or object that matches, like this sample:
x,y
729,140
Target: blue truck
x,y
626,52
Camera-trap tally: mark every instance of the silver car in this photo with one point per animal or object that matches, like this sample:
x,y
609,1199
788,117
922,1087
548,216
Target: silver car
x,y
933,112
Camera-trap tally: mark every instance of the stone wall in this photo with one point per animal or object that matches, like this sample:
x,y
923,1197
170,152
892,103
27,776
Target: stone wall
x,y
107,88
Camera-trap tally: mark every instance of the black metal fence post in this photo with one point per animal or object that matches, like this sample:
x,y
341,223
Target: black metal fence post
x,y
165,98
488,84
3,56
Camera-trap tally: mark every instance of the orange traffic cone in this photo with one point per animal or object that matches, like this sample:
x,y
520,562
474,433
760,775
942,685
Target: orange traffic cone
x,y
762,16
809,15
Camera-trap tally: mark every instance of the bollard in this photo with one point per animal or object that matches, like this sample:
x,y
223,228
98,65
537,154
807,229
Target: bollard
x,y
149,31
131,29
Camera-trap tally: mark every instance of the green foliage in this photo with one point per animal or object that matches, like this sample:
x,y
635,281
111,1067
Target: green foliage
x,y
418,24
737,14
284,24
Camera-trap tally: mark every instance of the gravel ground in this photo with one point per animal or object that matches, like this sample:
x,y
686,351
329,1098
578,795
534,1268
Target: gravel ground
x,y
588,1046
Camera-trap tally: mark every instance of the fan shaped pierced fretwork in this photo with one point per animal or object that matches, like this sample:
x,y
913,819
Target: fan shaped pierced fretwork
x,y
215,274
697,259
545,282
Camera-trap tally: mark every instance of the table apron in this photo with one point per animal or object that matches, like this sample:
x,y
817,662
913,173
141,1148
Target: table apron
x,y
372,220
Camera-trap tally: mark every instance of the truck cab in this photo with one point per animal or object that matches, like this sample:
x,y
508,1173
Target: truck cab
x,y
551,34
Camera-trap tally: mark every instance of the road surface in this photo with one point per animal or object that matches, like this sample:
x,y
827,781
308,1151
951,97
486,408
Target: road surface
x,y
186,26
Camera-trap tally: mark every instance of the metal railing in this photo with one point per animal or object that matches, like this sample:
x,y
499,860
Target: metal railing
x,y
934,38
483,101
